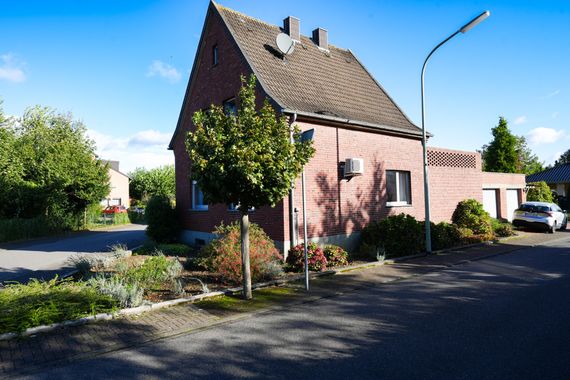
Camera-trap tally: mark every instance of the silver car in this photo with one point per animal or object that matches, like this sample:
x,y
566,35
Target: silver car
x,y
540,215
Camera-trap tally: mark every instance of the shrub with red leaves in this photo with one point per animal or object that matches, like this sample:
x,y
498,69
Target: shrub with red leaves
x,y
315,257
336,256
223,254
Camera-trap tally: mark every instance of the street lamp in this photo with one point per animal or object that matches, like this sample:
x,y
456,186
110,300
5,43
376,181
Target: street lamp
x,y
305,136
463,29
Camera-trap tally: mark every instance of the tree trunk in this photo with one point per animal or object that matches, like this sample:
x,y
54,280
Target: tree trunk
x,y
245,256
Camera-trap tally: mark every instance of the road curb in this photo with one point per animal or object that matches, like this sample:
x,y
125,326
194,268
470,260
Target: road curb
x,y
231,291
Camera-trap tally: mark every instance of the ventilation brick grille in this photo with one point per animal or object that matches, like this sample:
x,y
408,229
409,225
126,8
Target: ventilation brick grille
x,y
449,159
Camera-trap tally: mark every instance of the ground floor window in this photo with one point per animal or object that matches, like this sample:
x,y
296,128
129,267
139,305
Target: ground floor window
x,y
198,198
398,188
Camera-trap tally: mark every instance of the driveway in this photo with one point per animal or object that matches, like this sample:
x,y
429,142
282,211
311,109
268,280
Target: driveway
x,y
44,258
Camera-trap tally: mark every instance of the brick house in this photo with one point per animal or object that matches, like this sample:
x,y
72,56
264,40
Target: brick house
x,y
322,87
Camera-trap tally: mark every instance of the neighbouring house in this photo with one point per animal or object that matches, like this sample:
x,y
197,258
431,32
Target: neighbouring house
x,y
119,194
368,161
557,178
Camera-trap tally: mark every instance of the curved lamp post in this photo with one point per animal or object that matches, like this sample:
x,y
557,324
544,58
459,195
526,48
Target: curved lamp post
x,y
463,29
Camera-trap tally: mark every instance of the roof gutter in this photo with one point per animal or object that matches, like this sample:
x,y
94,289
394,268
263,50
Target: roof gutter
x,y
356,123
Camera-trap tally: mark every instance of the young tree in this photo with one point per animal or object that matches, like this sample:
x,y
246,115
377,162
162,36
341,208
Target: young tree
x,y
501,154
245,159
146,183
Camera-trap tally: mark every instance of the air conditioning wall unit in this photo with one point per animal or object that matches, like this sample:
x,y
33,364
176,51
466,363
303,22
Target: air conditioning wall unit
x,y
353,167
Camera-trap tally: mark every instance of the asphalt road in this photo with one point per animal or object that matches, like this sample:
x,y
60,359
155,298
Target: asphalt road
x,y
44,258
507,317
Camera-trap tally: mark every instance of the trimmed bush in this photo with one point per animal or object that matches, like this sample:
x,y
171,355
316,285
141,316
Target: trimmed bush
x,y
470,214
315,258
335,255
502,229
163,226
223,254
395,236
444,235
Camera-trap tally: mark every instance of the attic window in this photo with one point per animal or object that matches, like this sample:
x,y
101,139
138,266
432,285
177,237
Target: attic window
x,y
215,55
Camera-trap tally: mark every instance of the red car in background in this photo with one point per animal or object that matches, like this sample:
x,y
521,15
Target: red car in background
x,y
114,210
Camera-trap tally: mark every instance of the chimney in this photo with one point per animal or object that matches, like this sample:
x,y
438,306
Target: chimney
x,y
292,27
321,38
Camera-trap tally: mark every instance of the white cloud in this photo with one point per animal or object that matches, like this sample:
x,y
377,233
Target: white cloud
x,y
145,149
149,138
543,135
11,69
520,120
553,93
164,70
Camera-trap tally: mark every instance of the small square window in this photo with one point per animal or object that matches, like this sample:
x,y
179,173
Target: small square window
x,y
230,107
398,188
198,198
215,55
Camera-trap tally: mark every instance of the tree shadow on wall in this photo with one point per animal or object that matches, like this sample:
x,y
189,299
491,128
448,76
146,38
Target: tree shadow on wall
x,y
343,208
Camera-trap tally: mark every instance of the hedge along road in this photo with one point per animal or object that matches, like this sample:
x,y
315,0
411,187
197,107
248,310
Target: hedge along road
x,y
44,258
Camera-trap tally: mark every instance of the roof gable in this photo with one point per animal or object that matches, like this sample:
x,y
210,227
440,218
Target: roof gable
x,y
328,84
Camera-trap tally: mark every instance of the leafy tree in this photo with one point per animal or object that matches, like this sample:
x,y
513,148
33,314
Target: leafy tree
x,y
563,159
245,159
51,168
146,183
528,162
501,154
539,192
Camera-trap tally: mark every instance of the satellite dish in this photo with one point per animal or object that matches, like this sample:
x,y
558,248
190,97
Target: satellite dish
x,y
284,43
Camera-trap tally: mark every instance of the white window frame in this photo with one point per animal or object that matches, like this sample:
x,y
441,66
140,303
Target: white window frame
x,y
195,206
234,208
399,202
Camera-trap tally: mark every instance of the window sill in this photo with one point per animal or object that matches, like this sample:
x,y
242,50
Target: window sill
x,y
398,204
198,209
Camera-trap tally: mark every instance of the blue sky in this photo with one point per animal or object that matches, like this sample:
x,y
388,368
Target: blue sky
x,y
122,66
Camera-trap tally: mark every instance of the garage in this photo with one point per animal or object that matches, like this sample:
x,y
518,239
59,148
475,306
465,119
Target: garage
x,y
490,201
512,202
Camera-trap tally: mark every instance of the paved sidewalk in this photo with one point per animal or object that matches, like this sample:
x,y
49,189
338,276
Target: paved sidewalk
x,y
81,342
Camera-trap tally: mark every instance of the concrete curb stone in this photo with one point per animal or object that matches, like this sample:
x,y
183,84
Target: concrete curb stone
x,y
230,291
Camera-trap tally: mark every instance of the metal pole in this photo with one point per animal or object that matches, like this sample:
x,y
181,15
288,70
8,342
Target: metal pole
x,y
305,242
424,147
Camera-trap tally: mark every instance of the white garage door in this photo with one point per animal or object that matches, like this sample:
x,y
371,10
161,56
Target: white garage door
x,y
490,201
512,202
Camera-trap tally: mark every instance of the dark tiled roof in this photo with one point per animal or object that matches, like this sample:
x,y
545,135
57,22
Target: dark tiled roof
x,y
558,174
328,84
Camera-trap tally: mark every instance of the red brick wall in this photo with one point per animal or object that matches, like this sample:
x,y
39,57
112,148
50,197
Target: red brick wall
x,y
453,176
214,85
337,206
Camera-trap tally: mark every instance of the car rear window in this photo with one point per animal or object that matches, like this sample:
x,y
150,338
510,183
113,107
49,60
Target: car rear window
x,y
533,208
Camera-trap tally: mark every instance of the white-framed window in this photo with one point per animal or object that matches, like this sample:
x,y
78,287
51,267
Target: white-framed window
x,y
198,198
398,188
234,207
